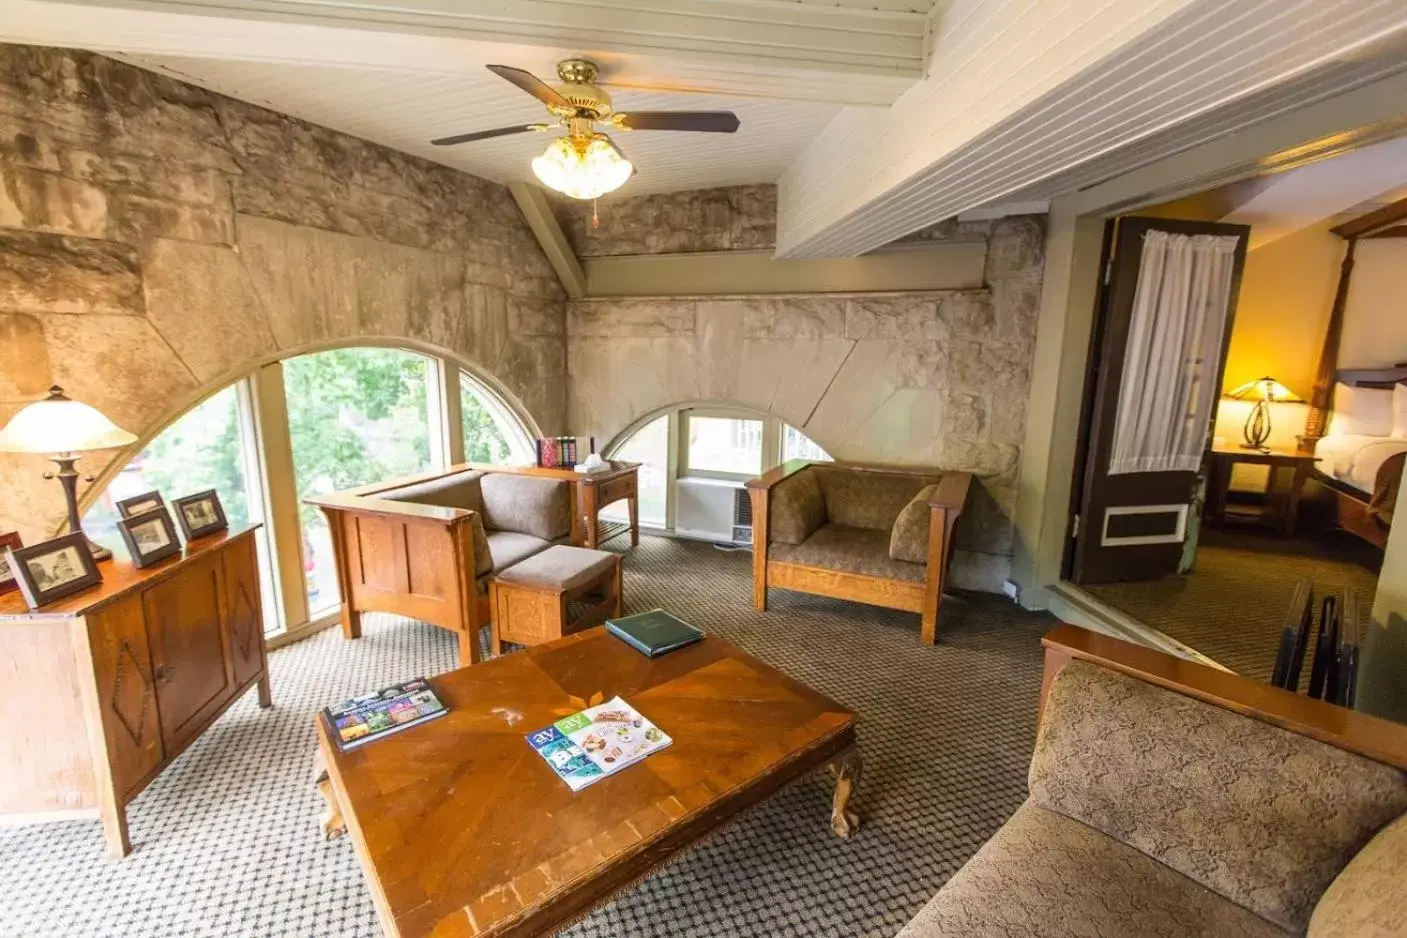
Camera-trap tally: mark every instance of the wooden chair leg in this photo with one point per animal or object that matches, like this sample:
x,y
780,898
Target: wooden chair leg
x,y
468,648
617,586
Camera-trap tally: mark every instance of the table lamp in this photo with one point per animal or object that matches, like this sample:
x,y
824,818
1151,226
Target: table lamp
x,y
61,428
1264,391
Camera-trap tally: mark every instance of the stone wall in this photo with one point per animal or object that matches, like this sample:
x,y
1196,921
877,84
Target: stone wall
x,y
735,218
938,379
157,240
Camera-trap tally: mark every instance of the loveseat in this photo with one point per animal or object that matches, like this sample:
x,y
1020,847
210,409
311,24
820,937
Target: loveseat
x,y
1171,799
426,546
874,534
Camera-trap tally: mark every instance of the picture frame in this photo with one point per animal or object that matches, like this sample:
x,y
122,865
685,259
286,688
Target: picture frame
x,y
8,582
200,514
139,504
54,569
150,536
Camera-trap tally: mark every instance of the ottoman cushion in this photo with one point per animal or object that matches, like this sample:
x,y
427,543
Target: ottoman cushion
x,y
560,567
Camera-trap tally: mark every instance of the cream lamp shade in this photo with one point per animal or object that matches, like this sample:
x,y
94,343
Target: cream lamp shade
x,y
582,168
60,425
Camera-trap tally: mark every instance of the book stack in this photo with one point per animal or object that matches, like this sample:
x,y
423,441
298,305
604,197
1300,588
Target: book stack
x,y
563,452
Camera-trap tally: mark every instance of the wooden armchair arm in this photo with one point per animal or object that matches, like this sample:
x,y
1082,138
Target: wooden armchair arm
x,y
952,490
342,501
1368,736
771,477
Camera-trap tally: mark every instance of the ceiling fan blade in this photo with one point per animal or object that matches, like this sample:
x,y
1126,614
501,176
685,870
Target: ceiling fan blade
x,y
715,122
532,85
485,134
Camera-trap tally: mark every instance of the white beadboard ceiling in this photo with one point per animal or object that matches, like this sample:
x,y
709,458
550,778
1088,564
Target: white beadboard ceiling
x,y
406,110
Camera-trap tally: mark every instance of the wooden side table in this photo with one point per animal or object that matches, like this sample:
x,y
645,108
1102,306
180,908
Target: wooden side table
x,y
1282,504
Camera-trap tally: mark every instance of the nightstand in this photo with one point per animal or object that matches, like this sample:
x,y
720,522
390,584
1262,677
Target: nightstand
x,y
1282,502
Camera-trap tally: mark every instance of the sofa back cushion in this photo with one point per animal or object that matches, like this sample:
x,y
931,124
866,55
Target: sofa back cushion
x,y
795,508
909,539
527,504
1265,817
858,498
456,490
1369,898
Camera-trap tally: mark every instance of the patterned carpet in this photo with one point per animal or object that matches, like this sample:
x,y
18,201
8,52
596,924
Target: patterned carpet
x,y
1232,606
227,842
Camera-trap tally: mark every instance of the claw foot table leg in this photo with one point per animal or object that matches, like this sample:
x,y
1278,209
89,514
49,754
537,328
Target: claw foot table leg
x,y
846,767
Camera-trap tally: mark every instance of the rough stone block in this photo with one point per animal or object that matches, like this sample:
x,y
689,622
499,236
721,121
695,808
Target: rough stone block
x,y
969,312
734,218
795,317
1016,247
50,273
978,364
631,318
24,358
46,201
536,315
903,318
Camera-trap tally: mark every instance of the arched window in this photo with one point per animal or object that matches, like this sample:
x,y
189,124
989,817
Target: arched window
x,y
711,445
313,424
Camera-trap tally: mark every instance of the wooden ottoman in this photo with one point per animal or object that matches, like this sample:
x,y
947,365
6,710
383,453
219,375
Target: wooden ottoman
x,y
554,593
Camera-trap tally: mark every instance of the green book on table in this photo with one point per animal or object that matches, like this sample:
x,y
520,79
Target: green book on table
x,y
654,633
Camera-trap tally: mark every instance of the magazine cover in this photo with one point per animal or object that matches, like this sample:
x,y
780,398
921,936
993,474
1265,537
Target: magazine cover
x,y
371,716
599,741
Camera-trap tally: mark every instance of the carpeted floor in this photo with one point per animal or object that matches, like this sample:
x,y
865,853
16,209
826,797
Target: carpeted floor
x,y
1232,606
227,842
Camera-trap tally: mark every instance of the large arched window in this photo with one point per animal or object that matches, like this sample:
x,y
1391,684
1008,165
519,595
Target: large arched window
x,y
308,425
703,447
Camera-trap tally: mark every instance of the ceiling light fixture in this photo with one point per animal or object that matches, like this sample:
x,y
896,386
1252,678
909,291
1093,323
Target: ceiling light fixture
x,y
583,167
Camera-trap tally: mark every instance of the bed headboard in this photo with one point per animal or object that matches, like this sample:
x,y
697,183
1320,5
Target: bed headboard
x,y
1373,377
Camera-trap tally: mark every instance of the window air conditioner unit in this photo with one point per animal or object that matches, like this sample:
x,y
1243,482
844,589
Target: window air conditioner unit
x,y
713,510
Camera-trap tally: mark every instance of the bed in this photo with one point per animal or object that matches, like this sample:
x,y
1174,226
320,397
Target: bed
x,y
1359,474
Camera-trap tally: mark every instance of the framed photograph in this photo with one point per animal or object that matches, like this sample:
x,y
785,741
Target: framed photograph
x,y
139,504
150,536
54,569
8,583
200,514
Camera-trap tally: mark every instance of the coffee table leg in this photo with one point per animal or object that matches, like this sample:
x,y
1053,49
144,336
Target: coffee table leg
x,y
333,826
847,768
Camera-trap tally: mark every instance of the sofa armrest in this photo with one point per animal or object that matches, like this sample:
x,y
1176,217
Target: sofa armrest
x,y
951,491
369,504
1368,736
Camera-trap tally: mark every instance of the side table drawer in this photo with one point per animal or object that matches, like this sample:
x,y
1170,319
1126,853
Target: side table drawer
x,y
615,490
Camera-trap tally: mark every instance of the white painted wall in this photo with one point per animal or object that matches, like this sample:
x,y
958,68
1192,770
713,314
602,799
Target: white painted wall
x,y
1375,319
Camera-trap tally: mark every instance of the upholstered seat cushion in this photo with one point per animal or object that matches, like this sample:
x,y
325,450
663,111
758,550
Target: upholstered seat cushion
x,y
849,550
560,568
1264,816
1369,898
527,504
510,547
456,490
1047,875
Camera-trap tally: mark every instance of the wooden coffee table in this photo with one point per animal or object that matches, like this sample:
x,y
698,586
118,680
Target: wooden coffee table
x,y
463,830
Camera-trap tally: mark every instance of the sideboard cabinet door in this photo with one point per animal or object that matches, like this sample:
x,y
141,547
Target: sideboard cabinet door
x,y
190,659
127,700
242,613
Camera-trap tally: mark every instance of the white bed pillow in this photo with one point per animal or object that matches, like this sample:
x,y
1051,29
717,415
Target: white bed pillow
x,y
1399,411
1362,411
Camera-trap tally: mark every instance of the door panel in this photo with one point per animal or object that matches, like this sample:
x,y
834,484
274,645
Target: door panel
x,y
1134,526
244,621
126,691
190,659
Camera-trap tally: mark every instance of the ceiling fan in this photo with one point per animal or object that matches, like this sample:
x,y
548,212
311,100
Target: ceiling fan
x,y
586,163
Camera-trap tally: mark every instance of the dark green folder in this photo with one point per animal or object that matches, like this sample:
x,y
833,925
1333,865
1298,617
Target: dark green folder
x,y
654,633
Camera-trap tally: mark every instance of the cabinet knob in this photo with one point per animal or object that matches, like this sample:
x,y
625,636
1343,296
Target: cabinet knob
x,y
162,672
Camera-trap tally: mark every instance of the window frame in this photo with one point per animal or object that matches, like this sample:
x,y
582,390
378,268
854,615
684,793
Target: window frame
x,y
770,443
522,448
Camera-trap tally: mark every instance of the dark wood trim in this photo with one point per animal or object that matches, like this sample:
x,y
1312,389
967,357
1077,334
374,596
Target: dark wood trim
x,y
1375,221
1368,736
1321,399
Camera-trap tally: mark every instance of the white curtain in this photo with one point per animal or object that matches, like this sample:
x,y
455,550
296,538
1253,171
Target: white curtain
x,y
1167,396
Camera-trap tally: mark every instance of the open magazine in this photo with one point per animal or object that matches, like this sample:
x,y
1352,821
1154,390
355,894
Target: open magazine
x,y
599,741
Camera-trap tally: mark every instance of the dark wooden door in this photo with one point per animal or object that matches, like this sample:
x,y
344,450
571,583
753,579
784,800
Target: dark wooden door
x,y
189,652
1133,526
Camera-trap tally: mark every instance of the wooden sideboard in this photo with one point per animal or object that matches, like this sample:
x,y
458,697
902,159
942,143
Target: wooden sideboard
x,y
103,689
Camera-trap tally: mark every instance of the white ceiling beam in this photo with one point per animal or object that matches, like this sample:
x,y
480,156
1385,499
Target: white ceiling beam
x,y
755,48
1021,93
537,212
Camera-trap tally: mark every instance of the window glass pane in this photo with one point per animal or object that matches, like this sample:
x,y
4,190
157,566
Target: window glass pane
x,y
355,415
725,444
648,446
483,441
797,445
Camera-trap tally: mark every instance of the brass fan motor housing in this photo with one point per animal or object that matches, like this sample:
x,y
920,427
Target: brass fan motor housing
x,y
579,88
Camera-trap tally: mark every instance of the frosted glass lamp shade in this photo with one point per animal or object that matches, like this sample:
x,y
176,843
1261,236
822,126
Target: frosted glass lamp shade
x,y
60,425
582,169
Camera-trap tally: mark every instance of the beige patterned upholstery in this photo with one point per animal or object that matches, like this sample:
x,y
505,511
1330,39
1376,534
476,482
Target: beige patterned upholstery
x,y
1046,876
527,504
909,540
848,550
1263,816
1369,898
856,498
795,508
510,547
